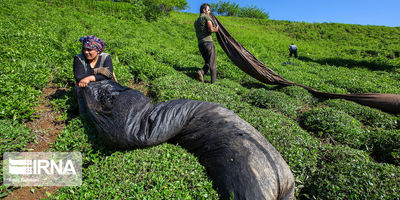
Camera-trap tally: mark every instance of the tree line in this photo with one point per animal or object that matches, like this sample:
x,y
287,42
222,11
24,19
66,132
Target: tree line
x,y
152,9
233,9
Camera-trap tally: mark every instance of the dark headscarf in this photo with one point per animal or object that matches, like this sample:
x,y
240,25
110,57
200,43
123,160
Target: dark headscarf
x,y
93,42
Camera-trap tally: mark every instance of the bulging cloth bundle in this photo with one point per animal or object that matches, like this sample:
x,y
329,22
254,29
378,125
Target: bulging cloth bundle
x,y
239,160
248,63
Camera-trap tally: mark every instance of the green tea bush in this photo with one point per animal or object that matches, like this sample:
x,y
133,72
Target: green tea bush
x,y
232,85
80,135
345,173
14,136
140,172
145,68
226,70
128,10
164,54
163,172
368,116
334,126
385,146
66,104
297,147
299,93
274,100
182,87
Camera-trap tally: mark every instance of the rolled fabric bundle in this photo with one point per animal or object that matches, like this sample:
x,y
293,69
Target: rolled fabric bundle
x,y
240,161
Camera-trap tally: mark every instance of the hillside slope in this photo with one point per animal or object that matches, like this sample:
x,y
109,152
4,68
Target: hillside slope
x,y
335,148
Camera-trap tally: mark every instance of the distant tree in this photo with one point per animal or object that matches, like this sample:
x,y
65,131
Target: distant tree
x,y
225,8
154,9
233,9
157,8
253,12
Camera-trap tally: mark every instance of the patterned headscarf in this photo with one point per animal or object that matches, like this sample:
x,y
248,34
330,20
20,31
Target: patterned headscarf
x,y
93,42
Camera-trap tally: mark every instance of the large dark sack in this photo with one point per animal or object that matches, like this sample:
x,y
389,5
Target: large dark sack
x,y
248,63
240,161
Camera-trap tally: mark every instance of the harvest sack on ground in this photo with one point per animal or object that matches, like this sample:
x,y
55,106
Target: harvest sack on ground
x,y
240,161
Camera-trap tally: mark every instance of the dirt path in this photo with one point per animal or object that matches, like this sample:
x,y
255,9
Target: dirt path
x,y
46,128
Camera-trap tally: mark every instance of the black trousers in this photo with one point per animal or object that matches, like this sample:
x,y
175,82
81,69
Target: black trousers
x,y
207,50
293,52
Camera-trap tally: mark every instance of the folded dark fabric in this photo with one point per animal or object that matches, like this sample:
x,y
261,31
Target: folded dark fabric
x,y
240,161
248,63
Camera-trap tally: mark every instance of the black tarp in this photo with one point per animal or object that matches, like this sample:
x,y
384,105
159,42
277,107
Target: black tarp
x,y
239,160
248,63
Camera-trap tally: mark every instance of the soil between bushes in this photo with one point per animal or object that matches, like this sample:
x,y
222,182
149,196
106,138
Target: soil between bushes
x,y
46,127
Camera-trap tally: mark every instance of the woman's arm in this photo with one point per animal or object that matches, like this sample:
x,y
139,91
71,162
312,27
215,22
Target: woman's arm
x,y
85,81
82,78
79,70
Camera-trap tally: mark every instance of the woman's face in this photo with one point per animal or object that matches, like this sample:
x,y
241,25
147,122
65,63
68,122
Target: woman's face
x,y
90,54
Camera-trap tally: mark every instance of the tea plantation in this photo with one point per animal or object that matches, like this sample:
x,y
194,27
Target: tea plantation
x,y
336,149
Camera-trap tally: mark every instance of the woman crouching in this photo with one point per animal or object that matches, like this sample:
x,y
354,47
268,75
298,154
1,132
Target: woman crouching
x,y
90,66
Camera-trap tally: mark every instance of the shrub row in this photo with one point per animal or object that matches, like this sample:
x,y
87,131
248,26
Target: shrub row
x,y
14,138
339,128
345,173
274,100
164,171
368,116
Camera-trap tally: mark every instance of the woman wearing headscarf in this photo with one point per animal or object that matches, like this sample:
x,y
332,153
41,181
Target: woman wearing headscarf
x,y
91,65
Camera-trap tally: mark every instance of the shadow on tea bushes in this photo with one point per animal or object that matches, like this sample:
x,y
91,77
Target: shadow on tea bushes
x,y
334,126
345,173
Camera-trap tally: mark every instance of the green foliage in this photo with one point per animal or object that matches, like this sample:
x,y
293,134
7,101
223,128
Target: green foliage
x,y
253,12
334,126
165,171
225,8
80,135
163,53
180,87
368,116
299,93
297,147
233,9
350,174
385,146
65,103
14,136
162,171
273,100
154,9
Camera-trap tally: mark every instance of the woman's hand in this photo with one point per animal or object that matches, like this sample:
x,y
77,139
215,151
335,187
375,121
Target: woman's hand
x,y
85,81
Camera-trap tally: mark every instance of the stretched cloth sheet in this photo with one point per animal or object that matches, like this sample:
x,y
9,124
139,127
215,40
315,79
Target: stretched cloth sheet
x,y
251,65
239,160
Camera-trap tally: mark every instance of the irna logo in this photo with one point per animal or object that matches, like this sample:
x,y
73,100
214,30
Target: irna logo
x,y
42,168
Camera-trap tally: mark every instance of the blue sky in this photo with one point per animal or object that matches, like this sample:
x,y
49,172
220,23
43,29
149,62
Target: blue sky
x,y
364,12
